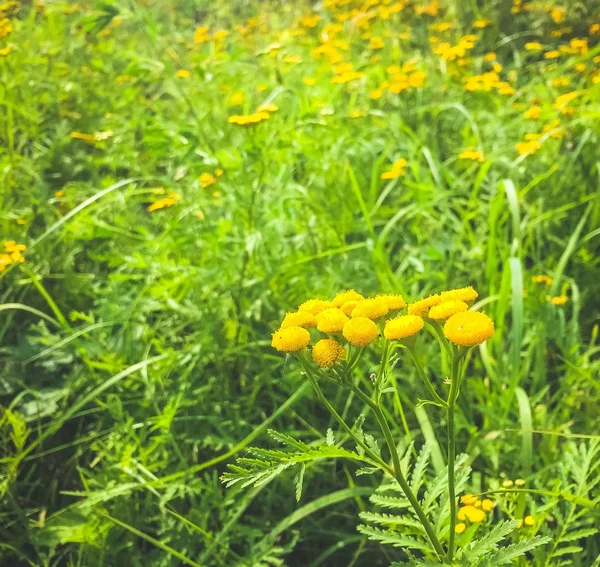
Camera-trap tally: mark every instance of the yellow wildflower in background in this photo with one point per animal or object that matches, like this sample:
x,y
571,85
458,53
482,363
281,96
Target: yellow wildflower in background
x,y
469,328
559,300
13,254
249,119
480,24
397,170
471,513
542,278
534,46
236,99
291,339
327,352
527,148
166,202
472,154
309,81
360,331
393,301
207,179
182,74
533,113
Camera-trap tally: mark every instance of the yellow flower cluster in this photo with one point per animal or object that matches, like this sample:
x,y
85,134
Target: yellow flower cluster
x,y
13,254
207,179
472,510
542,278
165,202
357,320
450,52
488,81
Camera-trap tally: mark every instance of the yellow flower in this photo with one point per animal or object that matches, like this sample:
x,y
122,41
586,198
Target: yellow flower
x,y
469,328
559,300
5,51
542,278
182,74
372,308
460,527
480,24
471,513
552,54
533,113
468,499
167,201
331,320
291,339
348,306
422,305
402,327
315,306
207,179
472,154
487,505
249,119
220,34
309,81
344,296
360,331
201,35
461,294
376,43
398,169
446,309
394,301
299,319
534,46
529,520
327,352
376,94
527,148
558,15
491,56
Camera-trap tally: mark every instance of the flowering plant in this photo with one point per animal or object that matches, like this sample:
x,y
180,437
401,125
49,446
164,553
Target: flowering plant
x,y
430,518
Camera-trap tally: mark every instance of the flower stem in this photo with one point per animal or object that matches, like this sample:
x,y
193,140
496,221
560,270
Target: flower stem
x,y
454,377
424,378
397,472
378,460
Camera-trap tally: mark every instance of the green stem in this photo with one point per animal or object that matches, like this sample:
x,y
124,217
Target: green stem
x,y
378,460
454,377
385,428
424,378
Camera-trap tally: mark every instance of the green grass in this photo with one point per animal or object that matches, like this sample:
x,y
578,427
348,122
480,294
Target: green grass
x,y
135,357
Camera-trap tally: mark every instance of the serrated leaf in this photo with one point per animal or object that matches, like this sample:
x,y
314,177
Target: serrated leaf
x,y
392,538
392,520
299,481
489,542
330,439
505,555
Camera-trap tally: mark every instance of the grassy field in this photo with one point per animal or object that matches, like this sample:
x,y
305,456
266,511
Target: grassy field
x,y
176,176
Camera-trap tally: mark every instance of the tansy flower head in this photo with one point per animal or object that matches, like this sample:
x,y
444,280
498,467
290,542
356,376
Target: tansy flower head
x,y
392,301
471,513
315,306
468,499
291,339
529,520
460,527
542,278
402,327
469,328
372,308
331,320
422,305
348,306
360,331
344,296
327,352
446,309
461,294
299,319
487,505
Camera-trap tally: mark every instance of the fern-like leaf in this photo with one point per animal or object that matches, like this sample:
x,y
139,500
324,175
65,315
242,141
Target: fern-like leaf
x,y
505,555
392,538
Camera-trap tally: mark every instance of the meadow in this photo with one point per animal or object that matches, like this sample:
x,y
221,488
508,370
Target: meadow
x,y
181,178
